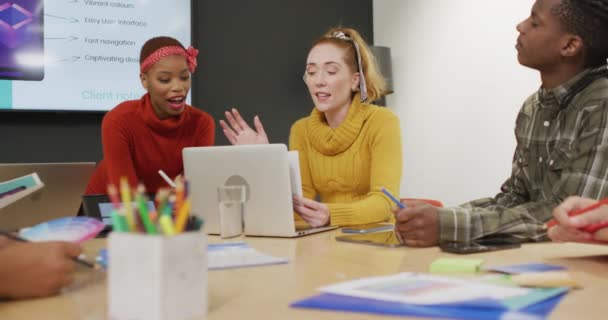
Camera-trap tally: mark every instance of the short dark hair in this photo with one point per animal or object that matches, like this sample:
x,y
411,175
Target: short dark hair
x,y
589,20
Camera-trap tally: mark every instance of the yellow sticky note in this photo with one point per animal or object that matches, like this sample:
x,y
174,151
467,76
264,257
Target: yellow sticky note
x,y
456,265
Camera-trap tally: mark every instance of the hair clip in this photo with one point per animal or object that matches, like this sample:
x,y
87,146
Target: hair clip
x,y
340,35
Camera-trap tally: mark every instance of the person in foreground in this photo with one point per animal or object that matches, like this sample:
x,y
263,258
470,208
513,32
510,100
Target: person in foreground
x,y
561,131
348,148
569,228
141,137
35,269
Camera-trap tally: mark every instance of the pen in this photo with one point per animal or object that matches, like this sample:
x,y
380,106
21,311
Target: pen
x,y
179,193
119,222
169,208
166,178
142,206
182,217
166,225
125,193
17,238
113,195
400,205
590,228
395,200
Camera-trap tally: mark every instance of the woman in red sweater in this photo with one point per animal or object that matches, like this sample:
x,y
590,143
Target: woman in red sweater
x,y
140,137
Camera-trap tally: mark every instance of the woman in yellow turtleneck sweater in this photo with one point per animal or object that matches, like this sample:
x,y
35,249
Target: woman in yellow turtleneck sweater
x,y
348,148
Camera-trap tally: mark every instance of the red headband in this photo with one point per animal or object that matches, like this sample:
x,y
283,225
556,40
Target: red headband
x,y
190,54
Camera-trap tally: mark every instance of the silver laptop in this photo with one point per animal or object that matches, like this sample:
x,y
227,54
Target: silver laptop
x,y
262,169
64,185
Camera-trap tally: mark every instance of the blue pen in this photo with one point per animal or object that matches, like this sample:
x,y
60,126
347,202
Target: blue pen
x,y
400,205
395,200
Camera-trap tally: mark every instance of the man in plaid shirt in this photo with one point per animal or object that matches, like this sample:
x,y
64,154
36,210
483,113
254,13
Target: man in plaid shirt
x,y
561,132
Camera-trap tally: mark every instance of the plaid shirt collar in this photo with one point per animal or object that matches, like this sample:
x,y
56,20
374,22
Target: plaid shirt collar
x,y
551,98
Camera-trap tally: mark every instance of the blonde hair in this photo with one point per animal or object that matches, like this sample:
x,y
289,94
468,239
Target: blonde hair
x,y
376,85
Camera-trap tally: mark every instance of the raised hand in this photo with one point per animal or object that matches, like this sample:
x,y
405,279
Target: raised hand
x,y
238,132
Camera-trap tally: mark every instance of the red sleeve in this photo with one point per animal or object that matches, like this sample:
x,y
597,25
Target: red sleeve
x,y
206,131
115,139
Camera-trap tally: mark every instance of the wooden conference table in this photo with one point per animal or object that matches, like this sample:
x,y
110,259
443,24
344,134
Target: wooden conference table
x,y
316,260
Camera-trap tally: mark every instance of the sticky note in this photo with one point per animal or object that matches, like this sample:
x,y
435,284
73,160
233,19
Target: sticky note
x,y
525,268
456,265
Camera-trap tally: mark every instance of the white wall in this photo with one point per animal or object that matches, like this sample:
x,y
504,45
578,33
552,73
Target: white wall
x,y
458,88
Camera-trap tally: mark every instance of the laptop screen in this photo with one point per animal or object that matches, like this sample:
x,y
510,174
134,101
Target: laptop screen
x,y
105,211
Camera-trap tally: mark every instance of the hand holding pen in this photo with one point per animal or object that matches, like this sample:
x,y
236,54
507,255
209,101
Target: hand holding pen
x,y
400,206
36,269
417,224
580,219
77,258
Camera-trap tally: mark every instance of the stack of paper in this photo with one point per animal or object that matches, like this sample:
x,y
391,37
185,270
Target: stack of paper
x,y
238,255
224,256
435,296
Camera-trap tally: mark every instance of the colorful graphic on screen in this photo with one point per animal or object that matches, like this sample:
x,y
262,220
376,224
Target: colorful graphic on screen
x,y
21,40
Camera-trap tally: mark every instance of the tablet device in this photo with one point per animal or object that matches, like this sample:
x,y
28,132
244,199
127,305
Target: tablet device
x,y
481,245
100,207
382,239
294,173
368,228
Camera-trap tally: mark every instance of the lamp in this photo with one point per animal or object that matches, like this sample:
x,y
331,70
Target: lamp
x,y
383,59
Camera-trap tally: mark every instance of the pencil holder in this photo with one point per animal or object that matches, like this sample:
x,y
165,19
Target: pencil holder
x,y
156,277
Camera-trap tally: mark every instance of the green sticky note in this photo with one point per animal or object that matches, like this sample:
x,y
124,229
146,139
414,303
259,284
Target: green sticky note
x,y
456,265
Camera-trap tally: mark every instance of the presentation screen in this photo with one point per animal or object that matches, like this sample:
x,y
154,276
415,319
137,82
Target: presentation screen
x,y
80,55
